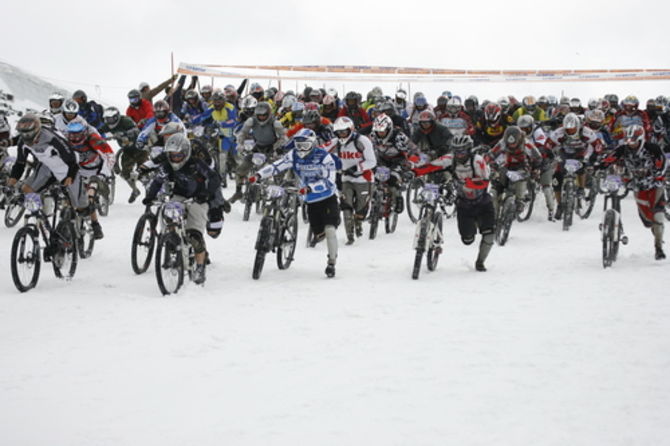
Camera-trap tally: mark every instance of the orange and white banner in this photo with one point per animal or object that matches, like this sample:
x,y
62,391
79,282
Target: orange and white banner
x,y
404,74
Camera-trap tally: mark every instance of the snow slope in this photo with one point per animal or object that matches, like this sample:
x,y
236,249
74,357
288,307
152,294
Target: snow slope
x,y
29,91
545,348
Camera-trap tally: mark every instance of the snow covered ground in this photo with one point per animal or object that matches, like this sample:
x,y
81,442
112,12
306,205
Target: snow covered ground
x,y
546,348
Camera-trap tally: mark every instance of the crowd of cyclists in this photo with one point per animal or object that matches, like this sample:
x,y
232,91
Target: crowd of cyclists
x,y
196,138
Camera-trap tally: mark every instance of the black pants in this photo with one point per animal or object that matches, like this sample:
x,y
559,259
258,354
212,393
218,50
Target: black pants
x,y
323,213
473,215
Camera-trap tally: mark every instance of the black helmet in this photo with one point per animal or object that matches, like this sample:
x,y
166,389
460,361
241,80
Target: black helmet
x,y
311,117
80,94
28,127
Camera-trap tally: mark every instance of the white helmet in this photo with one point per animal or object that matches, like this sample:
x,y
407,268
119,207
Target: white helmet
x,y
342,124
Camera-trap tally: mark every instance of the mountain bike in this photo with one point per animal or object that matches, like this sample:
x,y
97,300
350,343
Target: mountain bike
x,y
528,201
56,234
428,236
585,202
145,234
611,227
509,209
278,230
569,191
383,203
175,256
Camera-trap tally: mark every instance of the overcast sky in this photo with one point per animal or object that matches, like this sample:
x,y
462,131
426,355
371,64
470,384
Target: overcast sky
x,y
117,44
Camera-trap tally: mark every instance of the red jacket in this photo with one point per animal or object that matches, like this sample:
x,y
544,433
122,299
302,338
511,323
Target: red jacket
x,y
359,116
141,113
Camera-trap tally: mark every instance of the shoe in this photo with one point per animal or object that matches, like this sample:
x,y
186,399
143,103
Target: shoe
x,y
330,270
97,230
199,275
350,240
359,228
133,196
550,215
660,255
559,212
479,266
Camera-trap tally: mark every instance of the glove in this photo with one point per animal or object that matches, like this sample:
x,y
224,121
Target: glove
x,y
226,206
408,175
305,190
117,169
147,201
139,145
353,171
253,179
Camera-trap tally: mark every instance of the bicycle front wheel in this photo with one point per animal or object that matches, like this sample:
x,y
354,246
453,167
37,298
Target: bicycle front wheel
x,y
609,239
169,264
26,259
412,201
288,238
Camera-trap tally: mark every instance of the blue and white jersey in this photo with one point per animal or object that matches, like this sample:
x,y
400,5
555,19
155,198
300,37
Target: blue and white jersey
x,y
153,127
316,171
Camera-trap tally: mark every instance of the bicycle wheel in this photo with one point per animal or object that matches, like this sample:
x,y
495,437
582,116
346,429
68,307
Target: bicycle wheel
x,y
86,240
14,211
262,246
435,243
422,231
391,221
667,200
111,185
64,246
609,239
586,203
528,202
144,242
169,264
568,200
26,259
507,216
374,217
288,238
412,200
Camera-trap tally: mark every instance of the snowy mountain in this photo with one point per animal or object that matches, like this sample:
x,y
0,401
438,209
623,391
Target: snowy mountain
x,y
20,90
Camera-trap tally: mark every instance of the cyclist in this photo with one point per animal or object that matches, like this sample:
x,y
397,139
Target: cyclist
x,y
474,206
647,164
192,178
316,170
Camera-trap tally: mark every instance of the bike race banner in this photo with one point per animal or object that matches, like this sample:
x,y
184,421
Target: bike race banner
x,y
366,73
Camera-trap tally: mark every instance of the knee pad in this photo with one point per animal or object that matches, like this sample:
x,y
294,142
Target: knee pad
x,y
197,240
468,240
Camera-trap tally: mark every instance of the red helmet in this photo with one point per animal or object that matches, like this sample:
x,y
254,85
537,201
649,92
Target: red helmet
x,y
492,113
